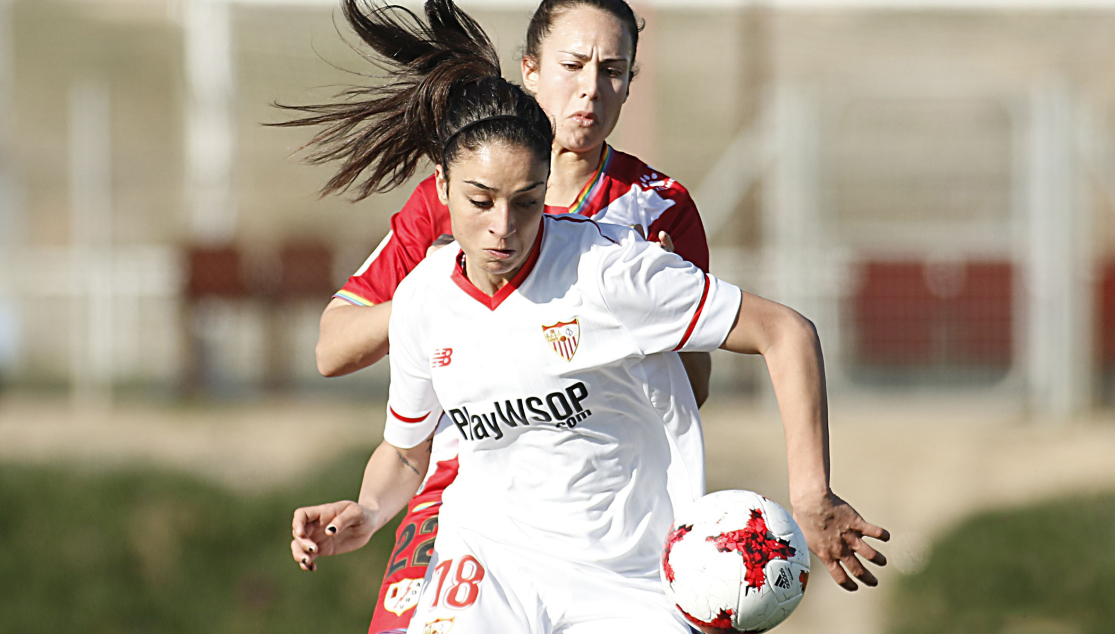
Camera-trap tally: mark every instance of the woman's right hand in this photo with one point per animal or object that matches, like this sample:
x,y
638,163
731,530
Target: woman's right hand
x,y
329,529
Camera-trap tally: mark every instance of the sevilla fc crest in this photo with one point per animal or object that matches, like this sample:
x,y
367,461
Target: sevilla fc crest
x,y
563,337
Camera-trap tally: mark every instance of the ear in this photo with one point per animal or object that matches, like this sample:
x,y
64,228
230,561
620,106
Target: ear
x,y
442,184
529,67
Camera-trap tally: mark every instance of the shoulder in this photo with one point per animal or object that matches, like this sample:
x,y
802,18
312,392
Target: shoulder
x,y
637,194
579,232
593,246
422,218
424,199
633,172
427,189
426,280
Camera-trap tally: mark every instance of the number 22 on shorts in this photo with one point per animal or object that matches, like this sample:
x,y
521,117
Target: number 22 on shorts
x,y
464,578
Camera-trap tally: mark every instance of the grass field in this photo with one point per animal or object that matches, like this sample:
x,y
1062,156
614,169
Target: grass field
x,y
1047,568
150,551
153,552
115,519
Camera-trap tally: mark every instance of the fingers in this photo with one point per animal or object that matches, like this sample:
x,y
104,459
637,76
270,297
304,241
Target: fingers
x,y
867,552
666,242
303,517
836,532
441,241
304,558
839,576
842,563
854,566
352,515
877,532
308,546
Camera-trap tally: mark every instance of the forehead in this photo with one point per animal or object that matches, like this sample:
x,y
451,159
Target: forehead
x,y
499,165
582,28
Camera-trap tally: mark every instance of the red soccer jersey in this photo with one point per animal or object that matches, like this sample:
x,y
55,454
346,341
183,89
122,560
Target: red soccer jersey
x,y
623,191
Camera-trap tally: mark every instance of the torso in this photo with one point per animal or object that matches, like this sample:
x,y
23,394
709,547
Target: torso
x,y
560,446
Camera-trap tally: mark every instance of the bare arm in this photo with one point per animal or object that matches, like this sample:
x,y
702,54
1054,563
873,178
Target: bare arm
x,y
391,478
792,351
351,337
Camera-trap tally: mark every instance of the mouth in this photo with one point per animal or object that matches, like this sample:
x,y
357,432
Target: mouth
x,y
501,255
583,118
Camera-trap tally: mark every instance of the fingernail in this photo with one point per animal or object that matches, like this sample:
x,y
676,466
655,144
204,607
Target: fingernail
x,y
313,567
303,561
311,549
331,530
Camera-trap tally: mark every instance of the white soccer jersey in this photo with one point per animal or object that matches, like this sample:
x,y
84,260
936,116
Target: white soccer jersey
x,y
562,447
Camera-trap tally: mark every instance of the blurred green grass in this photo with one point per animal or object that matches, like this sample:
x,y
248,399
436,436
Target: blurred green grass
x,y
1047,568
147,551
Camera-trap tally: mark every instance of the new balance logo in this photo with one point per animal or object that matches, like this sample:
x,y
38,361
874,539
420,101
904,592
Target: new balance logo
x,y
442,358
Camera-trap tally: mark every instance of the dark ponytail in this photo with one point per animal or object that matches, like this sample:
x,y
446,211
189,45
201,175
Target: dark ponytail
x,y
444,93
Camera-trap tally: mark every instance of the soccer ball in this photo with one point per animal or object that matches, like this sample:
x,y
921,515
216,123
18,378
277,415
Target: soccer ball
x,y
735,561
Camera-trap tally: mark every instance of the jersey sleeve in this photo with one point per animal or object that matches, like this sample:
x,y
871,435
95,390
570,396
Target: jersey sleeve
x,y
413,230
412,405
683,224
665,302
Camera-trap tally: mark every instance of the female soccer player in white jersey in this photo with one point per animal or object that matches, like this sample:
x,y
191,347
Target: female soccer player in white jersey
x,y
531,334
579,61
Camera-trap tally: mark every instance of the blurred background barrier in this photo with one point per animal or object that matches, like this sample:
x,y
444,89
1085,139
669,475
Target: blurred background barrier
x,y
932,182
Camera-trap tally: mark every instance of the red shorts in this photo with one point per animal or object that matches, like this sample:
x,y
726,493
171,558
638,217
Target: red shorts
x,y
414,545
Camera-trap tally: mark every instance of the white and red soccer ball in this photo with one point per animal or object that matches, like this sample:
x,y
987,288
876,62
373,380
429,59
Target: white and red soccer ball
x,y
735,561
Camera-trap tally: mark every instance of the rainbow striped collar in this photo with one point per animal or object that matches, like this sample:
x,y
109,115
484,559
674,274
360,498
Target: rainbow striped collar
x,y
594,184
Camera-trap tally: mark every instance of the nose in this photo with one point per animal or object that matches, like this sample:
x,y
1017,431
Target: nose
x,y
501,225
590,77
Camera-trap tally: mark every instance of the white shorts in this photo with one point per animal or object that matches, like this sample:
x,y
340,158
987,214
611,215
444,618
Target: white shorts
x,y
477,586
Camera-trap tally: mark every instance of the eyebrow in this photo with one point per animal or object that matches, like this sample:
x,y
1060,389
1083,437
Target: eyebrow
x,y
496,191
584,58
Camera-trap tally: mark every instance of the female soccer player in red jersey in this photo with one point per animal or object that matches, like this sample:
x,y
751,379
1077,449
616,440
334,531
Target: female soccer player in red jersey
x,y
579,61
551,481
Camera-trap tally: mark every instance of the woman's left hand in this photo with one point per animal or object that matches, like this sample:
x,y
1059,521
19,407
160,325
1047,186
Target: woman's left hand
x,y
835,532
665,242
663,238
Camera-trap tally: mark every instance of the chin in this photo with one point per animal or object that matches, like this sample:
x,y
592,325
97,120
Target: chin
x,y
580,141
500,267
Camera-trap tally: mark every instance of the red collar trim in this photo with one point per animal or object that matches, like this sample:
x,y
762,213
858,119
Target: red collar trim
x,y
493,301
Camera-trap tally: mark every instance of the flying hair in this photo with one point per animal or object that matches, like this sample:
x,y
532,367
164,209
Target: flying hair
x,y
442,76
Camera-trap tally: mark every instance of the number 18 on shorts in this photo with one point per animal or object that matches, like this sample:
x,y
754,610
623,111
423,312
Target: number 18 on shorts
x,y
477,586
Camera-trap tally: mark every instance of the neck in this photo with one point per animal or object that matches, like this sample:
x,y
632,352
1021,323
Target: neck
x,y
569,171
485,282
